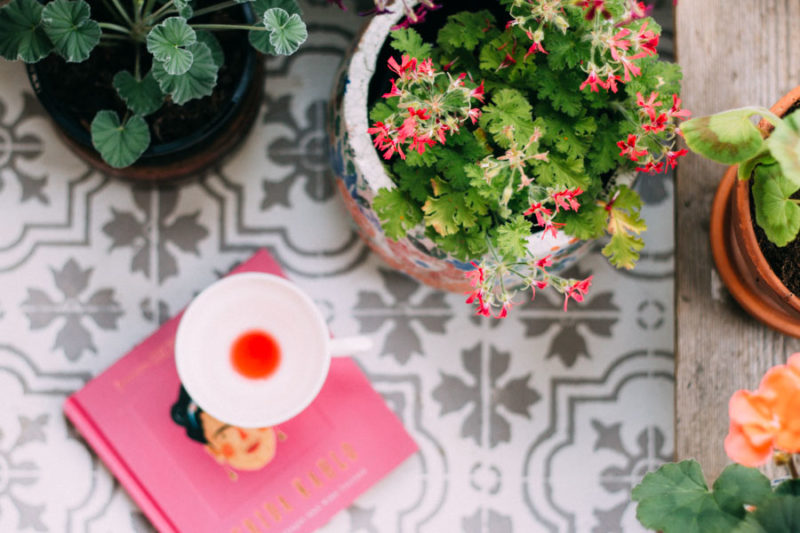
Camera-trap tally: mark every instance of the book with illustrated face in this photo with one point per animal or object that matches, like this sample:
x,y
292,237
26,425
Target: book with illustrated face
x,y
192,473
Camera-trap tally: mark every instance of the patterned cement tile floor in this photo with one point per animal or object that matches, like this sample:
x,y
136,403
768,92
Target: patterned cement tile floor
x,y
542,422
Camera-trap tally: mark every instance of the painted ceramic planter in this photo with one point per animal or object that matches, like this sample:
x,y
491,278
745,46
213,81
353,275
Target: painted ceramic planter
x,y
360,174
739,260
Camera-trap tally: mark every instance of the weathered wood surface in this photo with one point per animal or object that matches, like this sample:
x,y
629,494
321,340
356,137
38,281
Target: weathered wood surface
x,y
733,53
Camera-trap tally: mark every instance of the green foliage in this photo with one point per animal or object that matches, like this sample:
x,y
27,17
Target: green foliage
x,y
624,225
780,514
286,31
282,28
208,39
449,211
731,137
464,30
675,499
784,146
512,238
184,8
73,34
169,42
22,34
143,97
776,213
396,213
728,137
196,82
510,112
262,6
407,41
120,144
527,93
185,60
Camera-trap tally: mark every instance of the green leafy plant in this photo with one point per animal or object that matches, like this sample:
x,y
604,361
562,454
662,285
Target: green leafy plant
x,y
186,56
676,499
763,425
516,124
773,162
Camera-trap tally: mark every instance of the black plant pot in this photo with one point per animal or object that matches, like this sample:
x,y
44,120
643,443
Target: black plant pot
x,y
179,157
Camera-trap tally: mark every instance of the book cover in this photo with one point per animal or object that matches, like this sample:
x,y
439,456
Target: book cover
x,y
192,474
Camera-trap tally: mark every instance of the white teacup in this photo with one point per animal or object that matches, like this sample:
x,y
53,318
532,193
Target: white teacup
x,y
248,302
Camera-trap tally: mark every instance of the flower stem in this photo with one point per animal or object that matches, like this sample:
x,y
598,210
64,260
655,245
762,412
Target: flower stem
x,y
115,27
113,11
228,27
792,466
122,12
148,8
114,37
215,7
160,11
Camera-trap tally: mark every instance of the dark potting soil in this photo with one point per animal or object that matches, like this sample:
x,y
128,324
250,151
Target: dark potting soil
x,y
85,88
784,261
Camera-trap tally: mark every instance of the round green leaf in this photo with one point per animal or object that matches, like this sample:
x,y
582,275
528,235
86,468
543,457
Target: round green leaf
x,y
728,137
184,8
776,213
790,487
142,97
21,33
207,38
738,486
170,42
260,39
784,144
73,33
675,499
290,6
197,82
286,32
120,145
780,514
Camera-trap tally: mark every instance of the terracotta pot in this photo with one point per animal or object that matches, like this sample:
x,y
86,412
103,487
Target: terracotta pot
x,y
739,260
179,158
360,172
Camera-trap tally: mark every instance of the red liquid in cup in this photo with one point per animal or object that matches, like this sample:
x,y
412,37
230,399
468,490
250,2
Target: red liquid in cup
x,y
255,354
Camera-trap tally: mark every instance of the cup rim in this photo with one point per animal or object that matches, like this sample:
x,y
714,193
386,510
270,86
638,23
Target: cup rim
x,y
214,408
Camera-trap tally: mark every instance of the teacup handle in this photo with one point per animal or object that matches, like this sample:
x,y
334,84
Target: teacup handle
x,y
349,345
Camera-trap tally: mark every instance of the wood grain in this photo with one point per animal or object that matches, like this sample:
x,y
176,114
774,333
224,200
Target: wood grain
x,y
733,53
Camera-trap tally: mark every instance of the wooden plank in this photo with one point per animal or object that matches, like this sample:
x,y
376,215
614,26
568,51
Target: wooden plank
x,y
733,53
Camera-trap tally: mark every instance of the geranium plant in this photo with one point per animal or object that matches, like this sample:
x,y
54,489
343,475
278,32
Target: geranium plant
x,y
183,54
516,122
764,426
731,138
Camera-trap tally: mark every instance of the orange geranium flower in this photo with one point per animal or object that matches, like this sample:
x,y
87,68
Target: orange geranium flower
x,y
767,418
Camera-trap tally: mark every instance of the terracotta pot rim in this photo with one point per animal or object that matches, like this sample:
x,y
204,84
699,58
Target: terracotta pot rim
x,y
724,251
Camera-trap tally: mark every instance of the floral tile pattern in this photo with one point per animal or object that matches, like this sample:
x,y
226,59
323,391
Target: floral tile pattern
x,y
539,423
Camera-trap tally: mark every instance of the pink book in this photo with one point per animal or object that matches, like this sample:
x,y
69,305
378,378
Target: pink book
x,y
190,473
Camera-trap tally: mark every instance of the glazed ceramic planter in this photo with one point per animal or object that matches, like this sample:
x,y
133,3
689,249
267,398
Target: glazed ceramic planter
x,y
182,157
360,174
739,260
